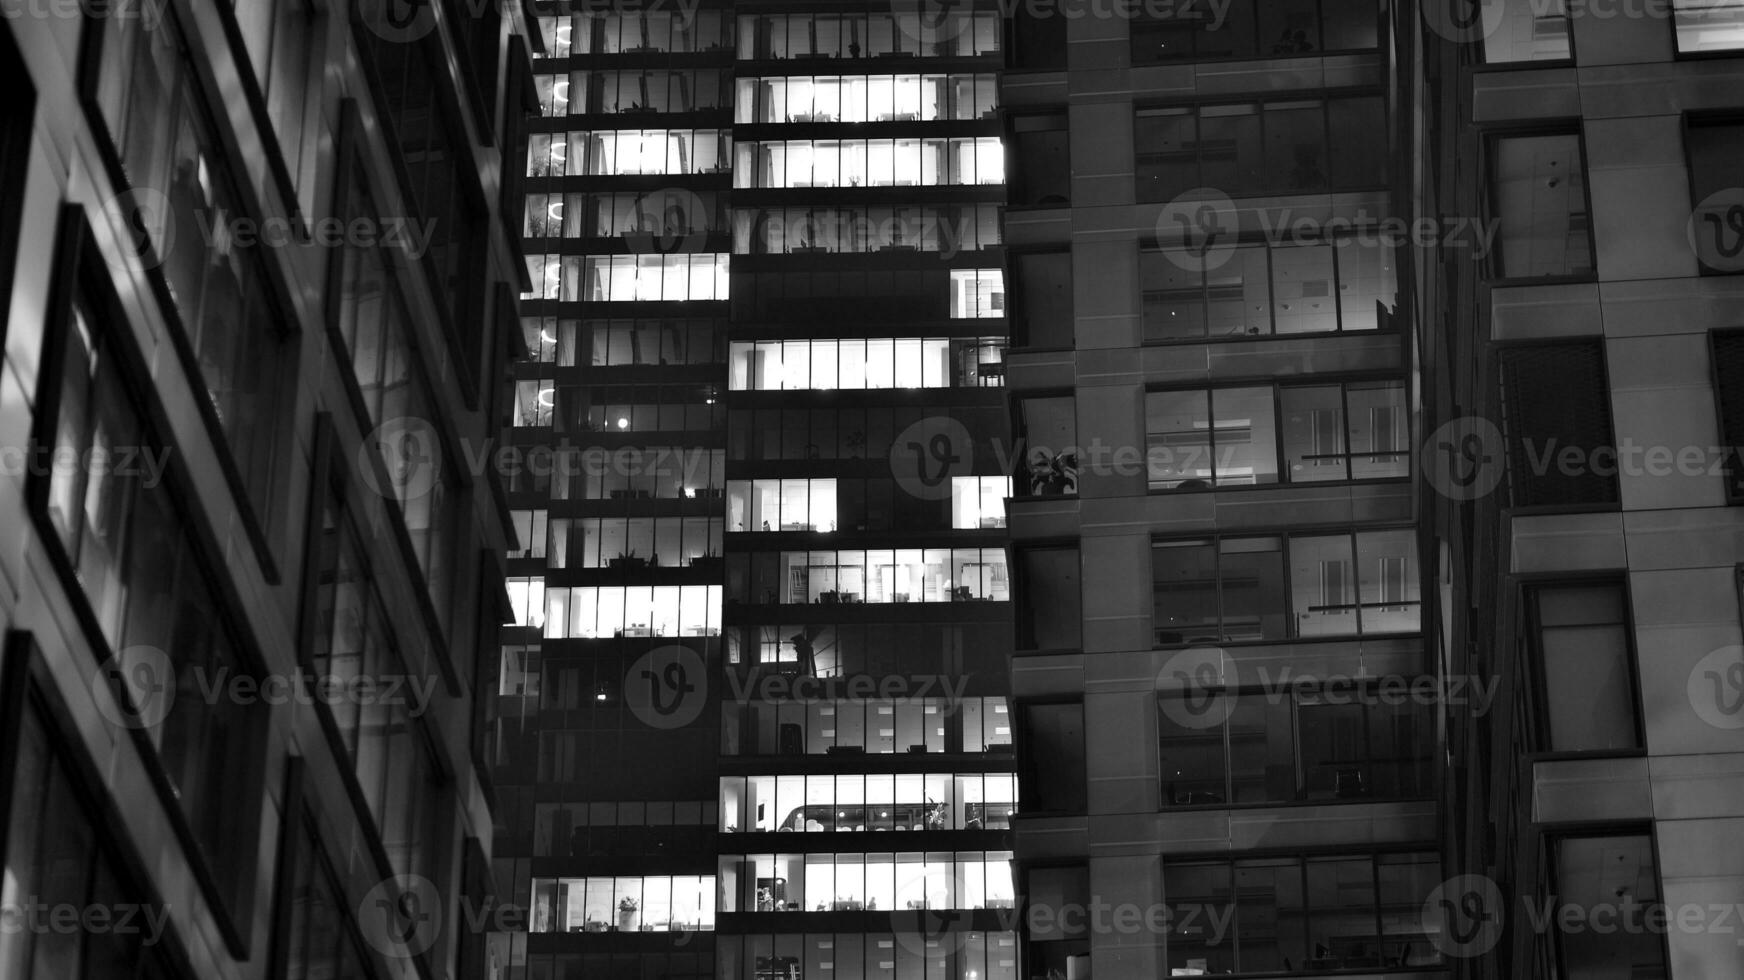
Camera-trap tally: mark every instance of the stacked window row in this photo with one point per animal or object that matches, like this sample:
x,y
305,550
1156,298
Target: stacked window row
x,y
628,278
948,229
658,220
853,882
654,31
628,473
827,726
931,162
828,804
590,612
815,505
581,92
1258,290
647,903
903,575
907,362
944,33
618,153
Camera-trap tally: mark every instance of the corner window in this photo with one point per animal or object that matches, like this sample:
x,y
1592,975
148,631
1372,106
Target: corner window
x,y
1560,447
1728,354
1537,193
1611,880
1581,636
1708,25
1716,164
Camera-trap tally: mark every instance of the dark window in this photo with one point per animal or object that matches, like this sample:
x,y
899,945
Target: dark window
x,y
1581,636
124,542
59,855
1615,876
1059,943
1295,915
1537,193
1247,149
1237,749
1039,42
1044,296
1559,443
1278,28
1716,162
231,336
435,165
1728,354
319,934
1041,147
1237,589
1051,605
1052,750
1050,430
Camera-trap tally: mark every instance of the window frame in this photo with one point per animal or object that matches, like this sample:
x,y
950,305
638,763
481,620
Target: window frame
x,y
1733,478
28,684
1280,456
1550,841
1506,486
1573,59
16,117
257,82
1490,137
1690,122
1678,54
1530,631
261,529
1381,24
80,269
1288,611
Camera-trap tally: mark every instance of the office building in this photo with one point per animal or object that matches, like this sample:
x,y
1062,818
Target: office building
x,y
1582,387
764,251
260,295
1207,319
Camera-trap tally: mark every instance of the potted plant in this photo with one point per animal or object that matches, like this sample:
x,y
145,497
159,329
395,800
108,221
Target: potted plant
x,y
628,911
